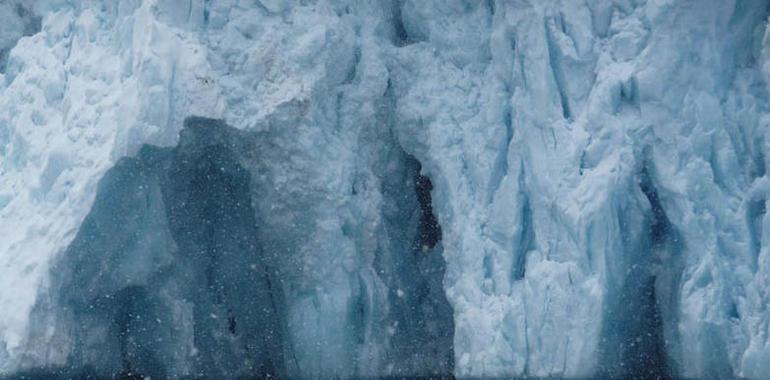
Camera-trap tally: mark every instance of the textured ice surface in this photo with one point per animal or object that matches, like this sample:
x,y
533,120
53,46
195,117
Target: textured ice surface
x,y
598,174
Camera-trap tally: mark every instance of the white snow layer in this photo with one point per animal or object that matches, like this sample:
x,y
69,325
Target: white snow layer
x,y
575,147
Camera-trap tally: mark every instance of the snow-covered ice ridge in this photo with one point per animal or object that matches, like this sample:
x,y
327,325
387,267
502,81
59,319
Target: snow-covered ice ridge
x,y
488,188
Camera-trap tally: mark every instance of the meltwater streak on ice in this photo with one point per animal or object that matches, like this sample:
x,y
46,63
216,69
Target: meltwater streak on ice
x,y
581,154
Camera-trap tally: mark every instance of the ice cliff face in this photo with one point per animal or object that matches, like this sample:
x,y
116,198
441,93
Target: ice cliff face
x,y
482,188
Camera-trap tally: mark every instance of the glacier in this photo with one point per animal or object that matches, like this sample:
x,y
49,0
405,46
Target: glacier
x,y
362,189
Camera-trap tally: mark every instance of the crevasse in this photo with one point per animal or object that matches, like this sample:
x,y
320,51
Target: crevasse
x,y
482,188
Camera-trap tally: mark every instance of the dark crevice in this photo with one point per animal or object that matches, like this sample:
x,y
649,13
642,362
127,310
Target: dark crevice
x,y
207,12
402,36
554,60
733,312
208,203
745,18
758,168
420,320
231,322
491,7
756,210
501,165
660,227
420,316
526,241
429,232
360,312
635,344
628,91
351,75
628,97
717,173
643,352
647,350
489,266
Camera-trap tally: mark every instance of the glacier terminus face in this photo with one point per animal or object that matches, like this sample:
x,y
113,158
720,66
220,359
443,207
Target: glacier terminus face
x,y
319,189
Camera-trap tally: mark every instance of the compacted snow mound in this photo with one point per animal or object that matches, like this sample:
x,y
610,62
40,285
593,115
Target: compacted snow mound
x,y
490,188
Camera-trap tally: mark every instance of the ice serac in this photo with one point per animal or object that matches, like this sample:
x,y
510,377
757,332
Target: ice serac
x,y
486,188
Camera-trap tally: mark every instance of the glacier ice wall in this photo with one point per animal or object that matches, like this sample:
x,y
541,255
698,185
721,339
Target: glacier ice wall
x,y
597,170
